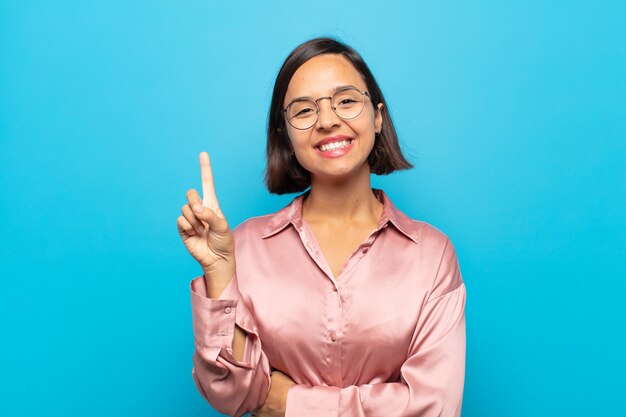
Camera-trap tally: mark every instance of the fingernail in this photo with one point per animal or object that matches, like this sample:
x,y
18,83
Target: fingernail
x,y
198,208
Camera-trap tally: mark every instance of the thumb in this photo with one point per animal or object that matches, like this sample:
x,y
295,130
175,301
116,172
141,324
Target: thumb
x,y
207,215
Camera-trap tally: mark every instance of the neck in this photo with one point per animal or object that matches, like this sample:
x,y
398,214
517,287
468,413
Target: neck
x,y
348,200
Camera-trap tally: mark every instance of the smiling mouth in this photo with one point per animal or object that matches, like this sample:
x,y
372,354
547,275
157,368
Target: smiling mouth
x,y
334,145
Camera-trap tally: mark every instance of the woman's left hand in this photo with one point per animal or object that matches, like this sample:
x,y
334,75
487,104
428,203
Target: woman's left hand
x,y
276,402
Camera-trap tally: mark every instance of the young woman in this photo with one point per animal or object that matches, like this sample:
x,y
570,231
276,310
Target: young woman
x,y
338,304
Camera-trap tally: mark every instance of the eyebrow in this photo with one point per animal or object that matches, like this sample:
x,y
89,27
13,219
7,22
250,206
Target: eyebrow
x,y
338,88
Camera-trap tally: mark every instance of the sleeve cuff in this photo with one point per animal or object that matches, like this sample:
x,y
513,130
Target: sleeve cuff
x,y
214,319
305,401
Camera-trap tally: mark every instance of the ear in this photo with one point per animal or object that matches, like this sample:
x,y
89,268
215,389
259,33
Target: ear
x,y
378,118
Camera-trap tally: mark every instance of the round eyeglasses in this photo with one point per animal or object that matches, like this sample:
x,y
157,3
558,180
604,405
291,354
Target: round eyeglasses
x,y
347,103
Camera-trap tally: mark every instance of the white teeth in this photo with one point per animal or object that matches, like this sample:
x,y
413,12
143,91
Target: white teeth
x,y
334,145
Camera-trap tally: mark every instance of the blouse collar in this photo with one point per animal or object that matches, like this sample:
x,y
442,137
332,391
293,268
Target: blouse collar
x,y
292,214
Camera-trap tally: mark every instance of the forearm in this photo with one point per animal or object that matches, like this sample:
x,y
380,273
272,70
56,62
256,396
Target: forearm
x,y
239,342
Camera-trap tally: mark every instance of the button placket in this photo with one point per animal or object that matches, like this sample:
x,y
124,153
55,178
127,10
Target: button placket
x,y
334,337
332,334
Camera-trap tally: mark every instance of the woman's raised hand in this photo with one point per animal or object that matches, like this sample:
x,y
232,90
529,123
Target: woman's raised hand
x,y
205,232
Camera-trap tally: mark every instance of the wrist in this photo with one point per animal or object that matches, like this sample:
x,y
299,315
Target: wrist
x,y
215,286
217,277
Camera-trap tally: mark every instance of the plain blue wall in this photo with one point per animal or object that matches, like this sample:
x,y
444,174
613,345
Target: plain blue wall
x,y
513,114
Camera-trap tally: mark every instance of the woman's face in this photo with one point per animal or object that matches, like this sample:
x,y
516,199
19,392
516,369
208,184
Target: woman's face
x,y
332,148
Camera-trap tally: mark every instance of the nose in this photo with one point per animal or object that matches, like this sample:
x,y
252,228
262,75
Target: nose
x,y
326,118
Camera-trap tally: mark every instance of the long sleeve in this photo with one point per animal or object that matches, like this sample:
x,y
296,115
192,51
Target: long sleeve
x,y
432,376
230,386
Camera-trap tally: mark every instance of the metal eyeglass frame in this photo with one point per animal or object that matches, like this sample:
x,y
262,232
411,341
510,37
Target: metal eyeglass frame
x,y
317,112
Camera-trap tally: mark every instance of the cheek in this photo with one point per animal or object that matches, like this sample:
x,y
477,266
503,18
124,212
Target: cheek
x,y
366,129
298,139
369,120
301,149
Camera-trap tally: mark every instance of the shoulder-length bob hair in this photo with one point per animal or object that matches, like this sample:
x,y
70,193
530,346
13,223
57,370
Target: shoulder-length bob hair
x,y
284,174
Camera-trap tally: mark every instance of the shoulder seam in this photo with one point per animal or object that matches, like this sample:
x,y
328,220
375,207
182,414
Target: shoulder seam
x,y
443,252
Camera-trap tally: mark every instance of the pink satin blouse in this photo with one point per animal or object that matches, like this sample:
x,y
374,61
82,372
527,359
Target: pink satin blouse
x,y
385,338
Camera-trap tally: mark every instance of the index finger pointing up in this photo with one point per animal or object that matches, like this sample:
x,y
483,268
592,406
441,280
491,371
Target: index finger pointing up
x,y
209,199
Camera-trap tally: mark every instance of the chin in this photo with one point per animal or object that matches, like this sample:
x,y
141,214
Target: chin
x,y
339,173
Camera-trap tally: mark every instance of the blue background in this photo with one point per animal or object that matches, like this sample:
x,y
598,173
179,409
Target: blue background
x,y
513,114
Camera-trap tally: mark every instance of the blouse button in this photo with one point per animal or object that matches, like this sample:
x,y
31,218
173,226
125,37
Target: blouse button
x,y
333,335
227,310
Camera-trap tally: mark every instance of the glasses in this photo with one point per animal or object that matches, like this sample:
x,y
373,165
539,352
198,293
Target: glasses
x,y
347,103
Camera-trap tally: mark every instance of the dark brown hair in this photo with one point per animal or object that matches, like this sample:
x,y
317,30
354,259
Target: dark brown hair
x,y
284,174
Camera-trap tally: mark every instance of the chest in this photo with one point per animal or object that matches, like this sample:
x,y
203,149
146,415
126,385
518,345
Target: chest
x,y
354,331
338,244
357,332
